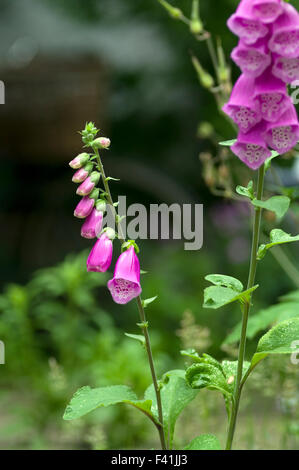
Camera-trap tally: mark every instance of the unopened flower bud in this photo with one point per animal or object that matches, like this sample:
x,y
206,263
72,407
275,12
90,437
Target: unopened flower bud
x,y
93,224
100,256
88,185
101,205
206,80
82,173
79,161
84,207
196,26
101,143
110,232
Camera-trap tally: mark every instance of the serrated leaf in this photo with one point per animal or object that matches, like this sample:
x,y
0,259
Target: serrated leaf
x,y
225,281
264,318
139,338
277,237
218,296
228,143
176,394
87,399
147,302
278,340
247,192
204,442
277,204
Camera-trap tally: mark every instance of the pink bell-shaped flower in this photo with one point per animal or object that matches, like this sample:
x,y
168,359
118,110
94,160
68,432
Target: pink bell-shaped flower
x,y
271,94
267,10
242,108
286,68
245,24
251,148
285,37
125,284
100,256
283,135
252,60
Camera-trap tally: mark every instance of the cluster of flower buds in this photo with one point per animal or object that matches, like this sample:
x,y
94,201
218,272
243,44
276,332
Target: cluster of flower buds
x,y
268,56
125,284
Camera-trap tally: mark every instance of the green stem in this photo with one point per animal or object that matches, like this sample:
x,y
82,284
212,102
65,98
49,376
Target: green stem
x,y
160,425
251,279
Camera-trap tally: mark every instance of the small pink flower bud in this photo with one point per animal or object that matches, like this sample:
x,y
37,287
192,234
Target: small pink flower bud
x,y
100,256
86,205
79,161
125,284
88,185
82,173
93,225
101,143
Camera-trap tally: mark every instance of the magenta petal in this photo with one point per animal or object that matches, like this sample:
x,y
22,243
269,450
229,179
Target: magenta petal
x,y
80,175
285,38
287,69
252,61
267,10
100,256
283,135
241,108
93,225
251,148
86,187
271,93
84,207
244,24
125,284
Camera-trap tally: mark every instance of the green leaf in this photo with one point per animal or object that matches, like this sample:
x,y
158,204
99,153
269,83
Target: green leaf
x,y
247,192
137,338
87,399
264,318
147,302
204,442
228,143
268,162
192,354
225,281
278,340
218,296
277,237
109,178
176,394
277,204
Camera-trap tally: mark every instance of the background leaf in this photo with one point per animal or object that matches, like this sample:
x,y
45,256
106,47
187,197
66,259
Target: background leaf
x,y
204,442
277,237
277,204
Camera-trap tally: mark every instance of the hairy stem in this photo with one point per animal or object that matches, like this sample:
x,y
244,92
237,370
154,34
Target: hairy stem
x,y
251,279
141,310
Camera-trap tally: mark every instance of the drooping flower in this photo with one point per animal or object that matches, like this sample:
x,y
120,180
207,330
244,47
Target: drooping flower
x,y
92,226
251,148
285,68
88,185
100,256
79,161
125,284
271,93
283,134
252,61
285,37
246,25
242,108
267,10
86,205
82,173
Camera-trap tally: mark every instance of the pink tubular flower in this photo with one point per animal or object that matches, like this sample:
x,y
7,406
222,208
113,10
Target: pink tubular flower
x,y
100,256
251,148
88,185
285,37
271,93
79,161
93,224
86,205
252,61
242,108
267,10
287,69
125,284
283,135
82,173
244,24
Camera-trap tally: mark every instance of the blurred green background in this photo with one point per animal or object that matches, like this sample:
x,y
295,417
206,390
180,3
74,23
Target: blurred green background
x,y
124,64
